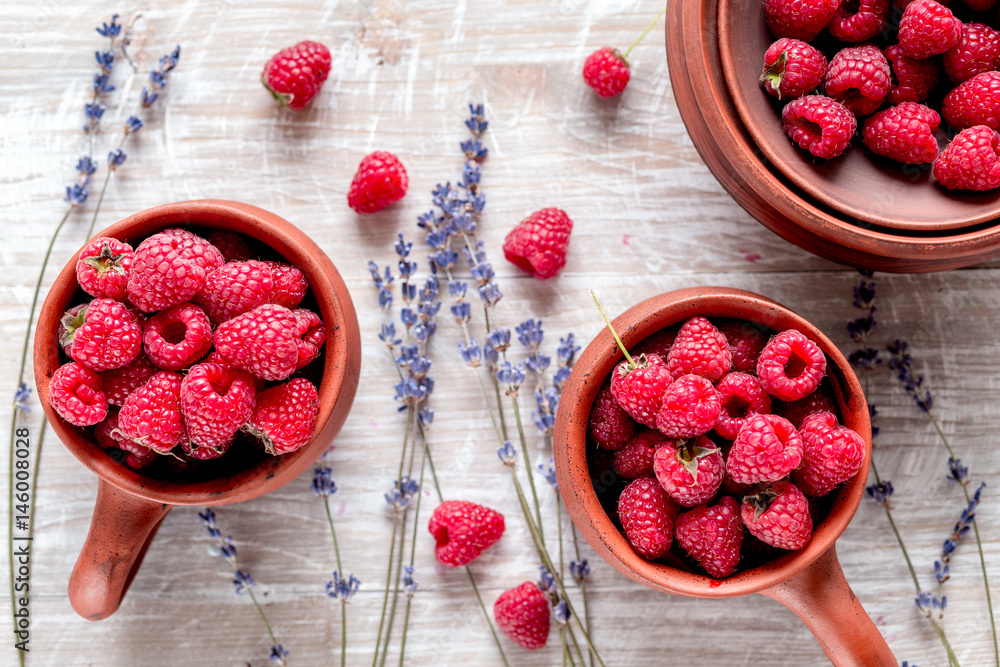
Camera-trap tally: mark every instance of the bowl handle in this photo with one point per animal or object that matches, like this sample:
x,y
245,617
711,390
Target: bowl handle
x,y
822,598
120,532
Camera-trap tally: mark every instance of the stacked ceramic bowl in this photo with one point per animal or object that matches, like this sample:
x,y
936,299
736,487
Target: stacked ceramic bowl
x,y
858,209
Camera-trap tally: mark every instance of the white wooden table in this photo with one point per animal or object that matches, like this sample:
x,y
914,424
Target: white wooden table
x,y
649,218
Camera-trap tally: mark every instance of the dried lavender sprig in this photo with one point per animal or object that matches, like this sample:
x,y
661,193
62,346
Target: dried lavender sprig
x,y
324,486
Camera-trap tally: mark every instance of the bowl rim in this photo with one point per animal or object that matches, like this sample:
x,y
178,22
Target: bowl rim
x,y
589,375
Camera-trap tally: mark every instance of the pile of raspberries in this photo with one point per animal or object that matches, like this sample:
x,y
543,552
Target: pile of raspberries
x,y
721,429
887,91
186,343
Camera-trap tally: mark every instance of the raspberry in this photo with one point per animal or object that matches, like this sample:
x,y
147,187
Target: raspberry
x,y
101,335
647,514
103,268
903,133
151,415
263,342
463,531
700,349
606,71
691,472
741,395
858,20
285,416
290,285
831,454
820,125
928,28
712,536
294,75
311,335
971,161
640,390
104,434
801,19
192,450
778,516
235,288
746,340
658,344
690,407
177,337
790,366
792,68
537,245
975,102
609,426
523,615
108,437
977,51
75,392
914,79
797,411
859,77
216,401
635,458
121,382
767,448
231,245
380,181
169,268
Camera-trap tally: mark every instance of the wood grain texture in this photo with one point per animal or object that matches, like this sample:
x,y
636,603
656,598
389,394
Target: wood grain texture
x,y
649,218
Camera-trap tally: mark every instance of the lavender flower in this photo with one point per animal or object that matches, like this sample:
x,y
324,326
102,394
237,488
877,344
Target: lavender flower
x,y
902,364
546,582
510,376
507,454
243,582
409,583
133,124
342,589
580,571
957,472
278,654
963,525
116,158
110,30
76,194
402,492
322,484
880,492
471,353
930,604
21,397
561,612
548,471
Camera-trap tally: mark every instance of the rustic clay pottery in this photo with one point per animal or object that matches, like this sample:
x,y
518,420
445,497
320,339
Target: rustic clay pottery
x,y
810,582
130,506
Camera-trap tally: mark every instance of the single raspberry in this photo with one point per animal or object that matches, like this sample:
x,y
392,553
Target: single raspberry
x,y
904,133
193,450
610,426
216,401
801,19
75,392
766,449
151,416
914,79
639,388
741,396
792,68
791,366
971,161
103,268
235,288
658,344
647,514
263,342
104,434
859,77
975,102
690,471
290,285
311,335
820,125
859,20
778,516
977,51
606,71
712,535
177,337
797,411
463,531
121,382
928,28
537,245
108,437
523,615
380,181
294,75
285,416
169,268
101,335
746,340
831,454
700,349
690,407
231,245
635,458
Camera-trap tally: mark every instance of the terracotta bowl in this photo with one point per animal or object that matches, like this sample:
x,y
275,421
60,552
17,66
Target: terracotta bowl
x,y
131,505
810,581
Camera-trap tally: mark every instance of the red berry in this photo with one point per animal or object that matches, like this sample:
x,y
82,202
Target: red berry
x,y
103,268
928,28
177,337
108,437
216,401
746,340
523,615
169,268
690,407
820,125
285,416
463,531
610,426
647,514
791,366
640,390
606,71
231,245
712,536
831,454
263,342
971,161
904,133
741,396
290,285
691,472
797,411
658,344
859,20
101,335
792,68
121,382
860,78
767,448
914,78
635,458
977,51
700,349
151,416
380,181
801,19
294,75
235,288
192,450
311,335
778,516
975,102
75,392
537,244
